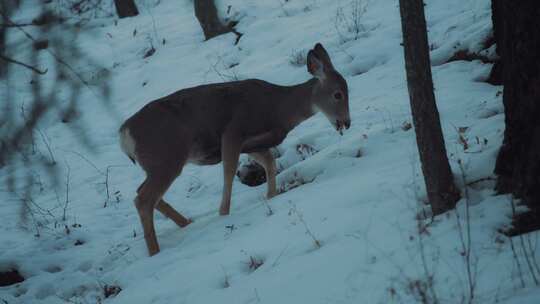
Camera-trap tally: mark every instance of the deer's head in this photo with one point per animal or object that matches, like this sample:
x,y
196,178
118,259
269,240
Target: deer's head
x,y
330,94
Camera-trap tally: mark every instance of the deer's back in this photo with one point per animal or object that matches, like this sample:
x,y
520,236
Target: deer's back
x,y
193,120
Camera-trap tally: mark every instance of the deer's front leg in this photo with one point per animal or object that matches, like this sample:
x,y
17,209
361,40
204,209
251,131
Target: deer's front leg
x,y
266,159
230,151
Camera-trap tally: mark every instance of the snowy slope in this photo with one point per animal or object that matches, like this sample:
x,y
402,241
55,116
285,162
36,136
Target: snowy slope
x,y
361,194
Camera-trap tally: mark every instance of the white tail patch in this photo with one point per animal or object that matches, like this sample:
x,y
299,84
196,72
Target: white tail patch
x,y
127,143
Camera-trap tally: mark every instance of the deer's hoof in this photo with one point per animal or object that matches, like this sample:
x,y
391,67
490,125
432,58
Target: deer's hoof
x,y
152,252
187,222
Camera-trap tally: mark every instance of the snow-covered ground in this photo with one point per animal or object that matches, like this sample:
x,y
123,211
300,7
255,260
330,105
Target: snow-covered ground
x,y
358,195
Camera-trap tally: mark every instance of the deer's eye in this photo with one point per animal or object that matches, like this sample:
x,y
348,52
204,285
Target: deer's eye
x,y
338,95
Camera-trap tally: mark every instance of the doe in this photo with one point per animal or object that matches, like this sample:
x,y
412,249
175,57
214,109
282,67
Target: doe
x,y
211,123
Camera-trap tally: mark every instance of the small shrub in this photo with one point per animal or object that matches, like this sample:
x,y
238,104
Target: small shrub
x,y
298,58
406,126
348,21
305,151
254,263
294,182
111,290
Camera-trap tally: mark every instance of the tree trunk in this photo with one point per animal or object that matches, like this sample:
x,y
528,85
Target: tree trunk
x,y
126,8
4,7
206,13
441,191
516,26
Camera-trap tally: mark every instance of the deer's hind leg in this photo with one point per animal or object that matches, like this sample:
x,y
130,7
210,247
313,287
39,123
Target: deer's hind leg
x,y
149,197
167,210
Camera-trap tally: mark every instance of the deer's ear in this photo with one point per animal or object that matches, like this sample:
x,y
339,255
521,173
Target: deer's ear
x,y
315,65
322,54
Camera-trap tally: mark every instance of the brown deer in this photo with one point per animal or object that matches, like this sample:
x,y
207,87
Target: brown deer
x,y
211,123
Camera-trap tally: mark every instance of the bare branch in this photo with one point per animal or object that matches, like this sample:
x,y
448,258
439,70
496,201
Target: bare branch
x,y
34,69
56,57
16,25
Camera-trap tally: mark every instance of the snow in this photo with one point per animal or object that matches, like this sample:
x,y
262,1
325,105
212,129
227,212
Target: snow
x,y
361,209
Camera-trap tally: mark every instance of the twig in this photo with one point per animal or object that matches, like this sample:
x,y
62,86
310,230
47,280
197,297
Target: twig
x,y
25,202
47,145
523,248
106,183
67,192
34,69
23,114
483,179
42,211
257,295
466,244
223,76
226,283
533,252
429,277
15,25
274,264
153,21
53,54
517,262
528,260
301,219
85,159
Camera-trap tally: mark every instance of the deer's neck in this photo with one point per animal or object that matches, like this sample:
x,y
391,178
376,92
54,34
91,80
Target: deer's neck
x,y
301,101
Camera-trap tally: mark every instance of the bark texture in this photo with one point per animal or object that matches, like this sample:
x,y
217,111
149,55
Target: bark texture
x,y
516,26
126,8
441,190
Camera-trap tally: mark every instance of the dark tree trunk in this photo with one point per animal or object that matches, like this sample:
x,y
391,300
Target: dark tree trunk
x,y
206,13
126,8
441,190
3,65
516,25
497,72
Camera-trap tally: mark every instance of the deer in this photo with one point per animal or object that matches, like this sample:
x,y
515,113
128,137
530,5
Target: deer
x,y
213,123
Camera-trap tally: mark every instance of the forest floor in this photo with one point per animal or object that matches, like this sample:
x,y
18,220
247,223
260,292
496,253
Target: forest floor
x,y
345,228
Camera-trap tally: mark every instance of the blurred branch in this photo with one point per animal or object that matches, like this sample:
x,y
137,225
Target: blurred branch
x,y
56,57
34,69
16,25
